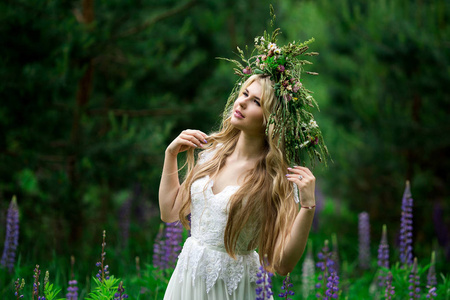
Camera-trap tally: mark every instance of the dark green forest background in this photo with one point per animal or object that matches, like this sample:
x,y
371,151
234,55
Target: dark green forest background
x,y
93,91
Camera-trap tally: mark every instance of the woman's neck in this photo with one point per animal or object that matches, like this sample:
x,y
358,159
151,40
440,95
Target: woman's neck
x,y
248,147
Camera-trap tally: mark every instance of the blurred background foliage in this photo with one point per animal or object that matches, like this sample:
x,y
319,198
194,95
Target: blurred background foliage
x,y
93,91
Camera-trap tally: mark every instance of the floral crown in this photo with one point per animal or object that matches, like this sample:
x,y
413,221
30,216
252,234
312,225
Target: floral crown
x,y
293,121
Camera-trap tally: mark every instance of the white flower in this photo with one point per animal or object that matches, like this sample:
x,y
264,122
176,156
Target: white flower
x,y
272,46
262,39
309,97
256,39
313,124
277,51
304,144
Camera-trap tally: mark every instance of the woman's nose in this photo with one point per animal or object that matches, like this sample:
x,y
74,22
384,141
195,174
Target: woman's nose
x,y
242,101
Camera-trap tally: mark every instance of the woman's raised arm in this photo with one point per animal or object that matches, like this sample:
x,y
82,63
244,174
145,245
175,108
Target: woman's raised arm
x,y
298,237
170,200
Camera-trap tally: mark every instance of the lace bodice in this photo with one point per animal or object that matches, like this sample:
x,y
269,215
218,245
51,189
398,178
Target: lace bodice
x,y
204,253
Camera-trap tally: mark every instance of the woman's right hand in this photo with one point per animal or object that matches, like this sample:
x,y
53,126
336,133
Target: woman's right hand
x,y
187,139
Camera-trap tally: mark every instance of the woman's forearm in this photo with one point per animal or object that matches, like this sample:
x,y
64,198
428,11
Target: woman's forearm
x,y
168,189
296,241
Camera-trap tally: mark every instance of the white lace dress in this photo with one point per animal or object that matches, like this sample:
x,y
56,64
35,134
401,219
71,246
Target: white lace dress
x,y
204,269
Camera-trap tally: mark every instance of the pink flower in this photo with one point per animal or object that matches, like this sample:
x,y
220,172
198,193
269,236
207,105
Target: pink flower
x,y
247,70
297,86
280,68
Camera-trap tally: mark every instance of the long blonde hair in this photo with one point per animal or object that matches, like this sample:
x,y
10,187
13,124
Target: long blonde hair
x,y
265,198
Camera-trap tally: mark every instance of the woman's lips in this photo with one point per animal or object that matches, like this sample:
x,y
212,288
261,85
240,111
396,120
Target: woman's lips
x,y
238,114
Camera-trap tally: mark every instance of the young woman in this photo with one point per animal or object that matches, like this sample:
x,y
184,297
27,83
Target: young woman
x,y
243,193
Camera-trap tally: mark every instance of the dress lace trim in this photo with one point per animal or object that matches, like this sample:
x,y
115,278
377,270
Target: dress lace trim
x,y
210,264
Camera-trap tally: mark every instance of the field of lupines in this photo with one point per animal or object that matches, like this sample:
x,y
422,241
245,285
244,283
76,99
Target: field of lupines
x,y
324,272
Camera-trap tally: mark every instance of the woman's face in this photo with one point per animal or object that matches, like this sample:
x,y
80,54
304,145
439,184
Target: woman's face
x,y
247,112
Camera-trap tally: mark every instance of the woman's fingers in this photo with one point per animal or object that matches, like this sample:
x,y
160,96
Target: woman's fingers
x,y
305,169
196,137
301,176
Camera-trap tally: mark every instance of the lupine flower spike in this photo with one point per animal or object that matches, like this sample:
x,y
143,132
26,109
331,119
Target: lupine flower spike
x,y
364,240
103,273
383,257
327,274
158,248
46,278
36,282
389,291
264,284
332,286
72,290
120,295
286,287
414,282
431,278
406,227
18,286
11,236
172,245
308,273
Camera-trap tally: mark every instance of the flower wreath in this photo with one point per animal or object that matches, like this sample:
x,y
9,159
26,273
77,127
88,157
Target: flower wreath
x,y
293,121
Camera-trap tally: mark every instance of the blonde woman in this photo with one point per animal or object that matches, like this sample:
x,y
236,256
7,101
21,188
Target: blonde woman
x,y
242,195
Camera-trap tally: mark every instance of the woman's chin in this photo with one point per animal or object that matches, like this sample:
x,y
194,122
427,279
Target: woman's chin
x,y
235,123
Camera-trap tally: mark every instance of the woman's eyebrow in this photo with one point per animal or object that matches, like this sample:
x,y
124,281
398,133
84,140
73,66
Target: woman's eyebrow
x,y
257,98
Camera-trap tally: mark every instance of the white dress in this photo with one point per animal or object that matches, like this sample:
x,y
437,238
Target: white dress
x,y
204,269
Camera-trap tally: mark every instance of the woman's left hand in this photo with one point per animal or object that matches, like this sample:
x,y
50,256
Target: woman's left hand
x,y
306,183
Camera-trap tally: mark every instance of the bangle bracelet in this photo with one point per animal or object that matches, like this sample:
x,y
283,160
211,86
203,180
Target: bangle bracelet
x,y
308,207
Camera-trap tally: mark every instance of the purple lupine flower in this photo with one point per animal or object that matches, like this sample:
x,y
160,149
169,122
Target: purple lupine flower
x,y
364,240
332,286
383,257
103,272
414,282
326,267
158,246
389,291
72,289
120,294
308,273
431,278
286,287
432,293
264,284
172,245
18,286
406,227
11,237
36,282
